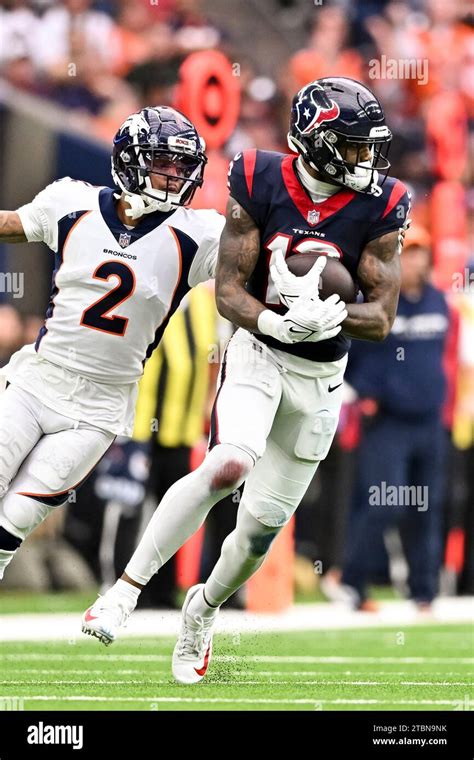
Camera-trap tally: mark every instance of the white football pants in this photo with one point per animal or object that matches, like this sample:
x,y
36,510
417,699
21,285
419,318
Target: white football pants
x,y
44,459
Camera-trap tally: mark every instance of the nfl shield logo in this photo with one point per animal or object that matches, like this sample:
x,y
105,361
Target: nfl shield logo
x,y
313,217
124,239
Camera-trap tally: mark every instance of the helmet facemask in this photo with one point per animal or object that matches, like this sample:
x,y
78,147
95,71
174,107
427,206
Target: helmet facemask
x,y
325,150
182,173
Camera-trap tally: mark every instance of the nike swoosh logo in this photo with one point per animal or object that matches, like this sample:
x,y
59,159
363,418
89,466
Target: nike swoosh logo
x,y
202,671
334,388
301,331
88,616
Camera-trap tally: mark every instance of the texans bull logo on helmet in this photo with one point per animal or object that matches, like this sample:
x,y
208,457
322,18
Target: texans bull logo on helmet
x,y
329,114
314,107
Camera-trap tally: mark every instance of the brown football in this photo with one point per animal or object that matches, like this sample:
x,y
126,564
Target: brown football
x,y
335,277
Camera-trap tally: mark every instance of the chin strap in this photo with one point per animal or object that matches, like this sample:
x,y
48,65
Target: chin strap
x,y
140,205
360,181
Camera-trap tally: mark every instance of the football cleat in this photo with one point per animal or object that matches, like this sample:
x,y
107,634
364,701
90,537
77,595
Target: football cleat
x,y
193,649
107,615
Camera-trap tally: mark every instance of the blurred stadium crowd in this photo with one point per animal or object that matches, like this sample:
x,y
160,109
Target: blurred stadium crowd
x,y
101,61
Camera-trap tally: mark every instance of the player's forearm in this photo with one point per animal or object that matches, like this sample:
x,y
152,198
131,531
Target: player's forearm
x,y
238,306
239,250
367,321
378,275
11,228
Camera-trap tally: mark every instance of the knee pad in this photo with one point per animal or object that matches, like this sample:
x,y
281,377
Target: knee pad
x,y
227,467
272,514
21,514
52,468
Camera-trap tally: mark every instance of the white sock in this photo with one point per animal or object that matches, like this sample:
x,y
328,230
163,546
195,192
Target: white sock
x,y
184,508
199,607
126,589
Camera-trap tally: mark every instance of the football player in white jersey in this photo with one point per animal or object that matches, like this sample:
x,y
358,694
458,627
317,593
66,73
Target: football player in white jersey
x,y
124,258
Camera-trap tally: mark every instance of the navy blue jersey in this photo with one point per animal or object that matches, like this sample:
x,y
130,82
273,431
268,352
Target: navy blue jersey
x,y
267,186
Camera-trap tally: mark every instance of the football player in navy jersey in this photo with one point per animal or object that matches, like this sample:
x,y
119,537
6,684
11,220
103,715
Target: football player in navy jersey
x,y
280,386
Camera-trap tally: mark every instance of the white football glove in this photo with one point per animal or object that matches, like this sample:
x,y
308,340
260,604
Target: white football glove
x,y
321,319
309,320
289,286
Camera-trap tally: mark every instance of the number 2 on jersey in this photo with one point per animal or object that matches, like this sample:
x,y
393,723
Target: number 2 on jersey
x,y
95,316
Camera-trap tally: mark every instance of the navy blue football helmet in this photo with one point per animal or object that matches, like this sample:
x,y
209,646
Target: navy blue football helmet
x,y
158,140
330,113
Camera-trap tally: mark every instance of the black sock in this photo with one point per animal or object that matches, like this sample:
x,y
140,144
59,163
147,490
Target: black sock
x,y
8,542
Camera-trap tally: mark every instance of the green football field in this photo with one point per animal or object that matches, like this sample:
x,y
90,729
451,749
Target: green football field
x,y
423,667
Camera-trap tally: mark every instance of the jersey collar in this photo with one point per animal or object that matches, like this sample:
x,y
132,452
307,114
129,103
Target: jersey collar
x,y
303,201
120,232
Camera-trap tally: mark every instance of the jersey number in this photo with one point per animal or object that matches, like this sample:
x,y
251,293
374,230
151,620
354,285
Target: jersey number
x,y
95,316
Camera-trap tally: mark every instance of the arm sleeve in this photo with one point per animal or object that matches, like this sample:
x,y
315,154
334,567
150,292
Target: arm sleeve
x,y
394,214
203,267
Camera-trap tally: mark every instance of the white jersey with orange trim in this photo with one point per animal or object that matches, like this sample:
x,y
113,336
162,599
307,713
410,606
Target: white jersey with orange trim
x,y
114,290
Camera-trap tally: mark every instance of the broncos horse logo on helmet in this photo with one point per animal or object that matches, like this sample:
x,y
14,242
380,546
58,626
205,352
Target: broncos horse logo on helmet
x,y
326,116
157,141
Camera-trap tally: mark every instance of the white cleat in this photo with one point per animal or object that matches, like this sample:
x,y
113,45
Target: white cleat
x,y
107,615
193,649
